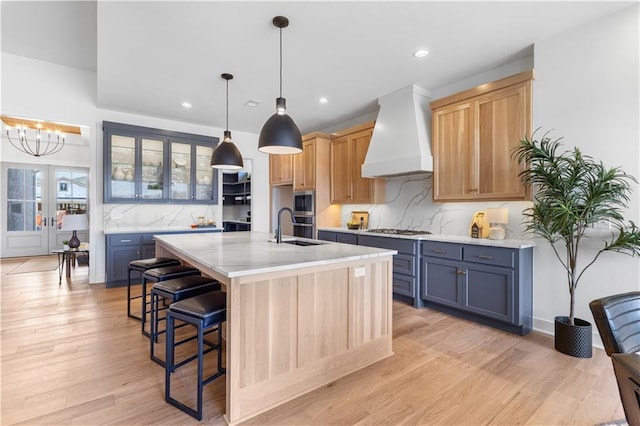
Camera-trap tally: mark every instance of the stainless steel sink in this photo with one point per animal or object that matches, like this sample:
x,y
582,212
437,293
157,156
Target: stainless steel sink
x,y
297,242
302,243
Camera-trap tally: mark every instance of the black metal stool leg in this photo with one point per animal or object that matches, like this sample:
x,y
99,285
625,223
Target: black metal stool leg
x,y
143,315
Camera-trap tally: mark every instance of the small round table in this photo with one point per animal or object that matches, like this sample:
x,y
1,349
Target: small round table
x,y
64,258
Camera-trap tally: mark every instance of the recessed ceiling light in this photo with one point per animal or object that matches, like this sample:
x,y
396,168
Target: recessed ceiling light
x,y
252,103
323,100
186,105
420,53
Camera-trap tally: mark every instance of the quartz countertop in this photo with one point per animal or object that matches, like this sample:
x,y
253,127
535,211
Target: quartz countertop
x,y
140,229
461,239
236,254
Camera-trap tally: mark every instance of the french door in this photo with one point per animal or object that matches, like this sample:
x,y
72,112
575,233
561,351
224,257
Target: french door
x,y
34,200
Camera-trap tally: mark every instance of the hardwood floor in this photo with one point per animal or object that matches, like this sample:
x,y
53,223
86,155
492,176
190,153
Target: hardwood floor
x,y
70,355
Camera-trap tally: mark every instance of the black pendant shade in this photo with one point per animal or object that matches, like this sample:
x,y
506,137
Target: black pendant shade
x,y
227,155
280,135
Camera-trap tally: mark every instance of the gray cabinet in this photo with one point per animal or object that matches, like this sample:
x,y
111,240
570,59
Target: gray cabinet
x,y
338,237
124,248
492,285
121,249
328,236
235,226
406,269
145,165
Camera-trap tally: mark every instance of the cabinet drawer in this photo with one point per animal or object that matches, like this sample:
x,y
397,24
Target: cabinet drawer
x,y
346,238
327,236
148,238
123,240
404,285
405,264
490,255
443,250
403,246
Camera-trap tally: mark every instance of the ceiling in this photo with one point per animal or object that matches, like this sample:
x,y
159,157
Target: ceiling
x,y
150,56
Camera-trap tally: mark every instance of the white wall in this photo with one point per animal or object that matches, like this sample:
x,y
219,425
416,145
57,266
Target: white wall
x,y
586,90
46,91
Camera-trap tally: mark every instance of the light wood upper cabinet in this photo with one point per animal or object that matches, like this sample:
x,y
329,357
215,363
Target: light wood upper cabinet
x,y
281,169
304,167
348,152
473,141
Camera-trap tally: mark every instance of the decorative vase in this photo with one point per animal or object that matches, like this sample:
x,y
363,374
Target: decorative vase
x,y
129,176
118,174
574,340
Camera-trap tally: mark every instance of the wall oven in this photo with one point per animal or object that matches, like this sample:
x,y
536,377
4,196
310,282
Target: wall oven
x,y
305,214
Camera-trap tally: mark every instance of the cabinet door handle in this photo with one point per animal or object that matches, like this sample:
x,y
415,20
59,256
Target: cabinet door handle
x,y
484,256
439,251
125,241
461,272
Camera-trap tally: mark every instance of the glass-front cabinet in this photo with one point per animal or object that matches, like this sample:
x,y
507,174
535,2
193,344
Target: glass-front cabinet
x,y
144,165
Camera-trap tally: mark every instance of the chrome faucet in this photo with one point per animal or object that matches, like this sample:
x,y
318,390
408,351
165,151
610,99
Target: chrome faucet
x,y
279,228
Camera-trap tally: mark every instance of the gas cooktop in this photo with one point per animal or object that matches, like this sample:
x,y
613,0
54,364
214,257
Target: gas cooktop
x,y
399,231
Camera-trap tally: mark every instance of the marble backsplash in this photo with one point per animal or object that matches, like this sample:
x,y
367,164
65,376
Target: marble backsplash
x,y
409,205
150,216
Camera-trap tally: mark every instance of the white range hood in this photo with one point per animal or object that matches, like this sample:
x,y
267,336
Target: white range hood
x,y
400,144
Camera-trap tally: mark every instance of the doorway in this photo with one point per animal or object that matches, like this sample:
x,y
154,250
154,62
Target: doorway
x,y
34,201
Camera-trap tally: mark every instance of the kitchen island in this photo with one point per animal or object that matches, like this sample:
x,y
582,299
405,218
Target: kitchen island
x,y
298,317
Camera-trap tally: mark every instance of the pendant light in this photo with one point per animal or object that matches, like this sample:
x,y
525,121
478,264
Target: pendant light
x,y
280,135
226,155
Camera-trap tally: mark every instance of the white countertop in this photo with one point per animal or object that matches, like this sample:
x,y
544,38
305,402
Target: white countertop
x,y
141,229
462,239
236,254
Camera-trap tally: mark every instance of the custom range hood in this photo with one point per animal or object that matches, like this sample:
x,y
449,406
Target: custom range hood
x,y
400,144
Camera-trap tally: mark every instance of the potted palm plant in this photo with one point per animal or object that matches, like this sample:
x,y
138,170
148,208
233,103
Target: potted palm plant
x,y
572,194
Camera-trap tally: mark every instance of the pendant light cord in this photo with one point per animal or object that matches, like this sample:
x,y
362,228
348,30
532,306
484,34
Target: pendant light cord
x,y
227,104
280,62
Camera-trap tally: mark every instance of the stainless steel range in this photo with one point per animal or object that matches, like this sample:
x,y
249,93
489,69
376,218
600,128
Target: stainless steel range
x,y
399,231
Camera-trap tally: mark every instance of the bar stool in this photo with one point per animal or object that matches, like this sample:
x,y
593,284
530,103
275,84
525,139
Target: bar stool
x,y
175,290
156,275
141,266
203,312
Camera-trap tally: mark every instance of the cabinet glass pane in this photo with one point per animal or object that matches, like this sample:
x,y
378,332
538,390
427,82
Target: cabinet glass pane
x,y
123,158
180,171
204,173
152,155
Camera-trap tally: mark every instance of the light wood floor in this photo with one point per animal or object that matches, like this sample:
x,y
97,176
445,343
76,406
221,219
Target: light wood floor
x,y
70,355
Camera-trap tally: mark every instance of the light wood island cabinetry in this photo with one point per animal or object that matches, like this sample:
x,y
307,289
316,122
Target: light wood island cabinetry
x,y
297,317
474,135
348,151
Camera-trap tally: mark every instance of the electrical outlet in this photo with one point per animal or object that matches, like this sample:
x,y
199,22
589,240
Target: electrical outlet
x,y
359,272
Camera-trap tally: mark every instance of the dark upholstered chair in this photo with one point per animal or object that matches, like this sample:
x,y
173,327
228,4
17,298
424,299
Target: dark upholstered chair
x,y
618,320
627,368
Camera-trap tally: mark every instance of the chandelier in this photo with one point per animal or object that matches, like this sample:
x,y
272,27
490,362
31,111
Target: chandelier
x,y
31,138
